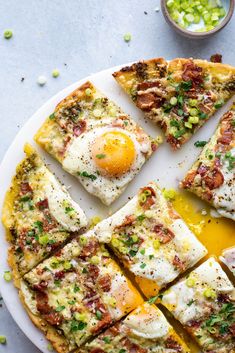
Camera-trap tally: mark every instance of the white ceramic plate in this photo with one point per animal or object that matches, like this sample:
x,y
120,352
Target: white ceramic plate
x,y
165,167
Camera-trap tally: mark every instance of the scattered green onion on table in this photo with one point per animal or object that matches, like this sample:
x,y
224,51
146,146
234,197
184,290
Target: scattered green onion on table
x,y
198,16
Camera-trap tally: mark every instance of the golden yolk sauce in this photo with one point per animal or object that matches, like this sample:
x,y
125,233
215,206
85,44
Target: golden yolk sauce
x,y
113,153
216,234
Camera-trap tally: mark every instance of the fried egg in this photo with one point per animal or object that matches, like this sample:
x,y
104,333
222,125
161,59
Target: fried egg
x,y
106,159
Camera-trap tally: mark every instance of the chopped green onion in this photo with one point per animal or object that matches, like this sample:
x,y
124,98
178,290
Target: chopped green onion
x,y
8,33
55,73
7,276
200,143
127,37
3,340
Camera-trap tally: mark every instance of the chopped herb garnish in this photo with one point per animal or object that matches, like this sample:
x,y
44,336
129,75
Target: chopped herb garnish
x,y
77,325
25,199
203,115
100,156
142,251
143,265
71,302
179,133
84,270
122,351
106,339
180,100
180,112
190,302
39,226
69,209
57,282
141,217
219,104
151,257
200,143
175,123
52,116
98,314
86,175
60,308
186,85
76,289
152,299
132,253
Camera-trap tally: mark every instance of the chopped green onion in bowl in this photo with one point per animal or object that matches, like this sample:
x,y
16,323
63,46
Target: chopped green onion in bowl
x,y
196,15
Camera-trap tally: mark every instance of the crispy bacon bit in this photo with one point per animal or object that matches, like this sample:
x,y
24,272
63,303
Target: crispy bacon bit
x,y
105,319
47,312
150,198
25,188
143,86
178,263
48,221
226,130
164,234
93,271
42,302
173,344
129,220
105,283
232,329
192,72
41,286
202,170
145,101
194,324
97,350
174,142
79,128
53,318
223,298
214,179
43,204
132,347
189,179
216,58
153,146
59,275
89,249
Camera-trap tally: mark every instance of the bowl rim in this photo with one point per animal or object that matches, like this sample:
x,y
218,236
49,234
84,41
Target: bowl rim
x,y
187,32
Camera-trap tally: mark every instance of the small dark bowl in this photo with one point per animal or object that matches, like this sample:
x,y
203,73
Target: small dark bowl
x,y
191,34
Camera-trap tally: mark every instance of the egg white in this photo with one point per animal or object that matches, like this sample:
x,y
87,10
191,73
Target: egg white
x,y
79,159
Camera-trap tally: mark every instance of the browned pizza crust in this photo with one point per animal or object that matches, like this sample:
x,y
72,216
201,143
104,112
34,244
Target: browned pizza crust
x,y
59,343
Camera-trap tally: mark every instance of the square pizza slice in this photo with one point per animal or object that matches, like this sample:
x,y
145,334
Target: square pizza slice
x,y
179,95
212,176
151,240
38,214
76,293
96,141
228,258
145,330
204,304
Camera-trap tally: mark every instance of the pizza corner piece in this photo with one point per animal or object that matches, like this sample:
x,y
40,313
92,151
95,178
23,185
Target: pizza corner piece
x,y
77,292
179,95
204,304
151,240
96,141
38,214
145,330
212,175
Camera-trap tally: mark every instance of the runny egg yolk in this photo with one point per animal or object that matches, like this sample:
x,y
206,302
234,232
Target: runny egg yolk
x,y
113,153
